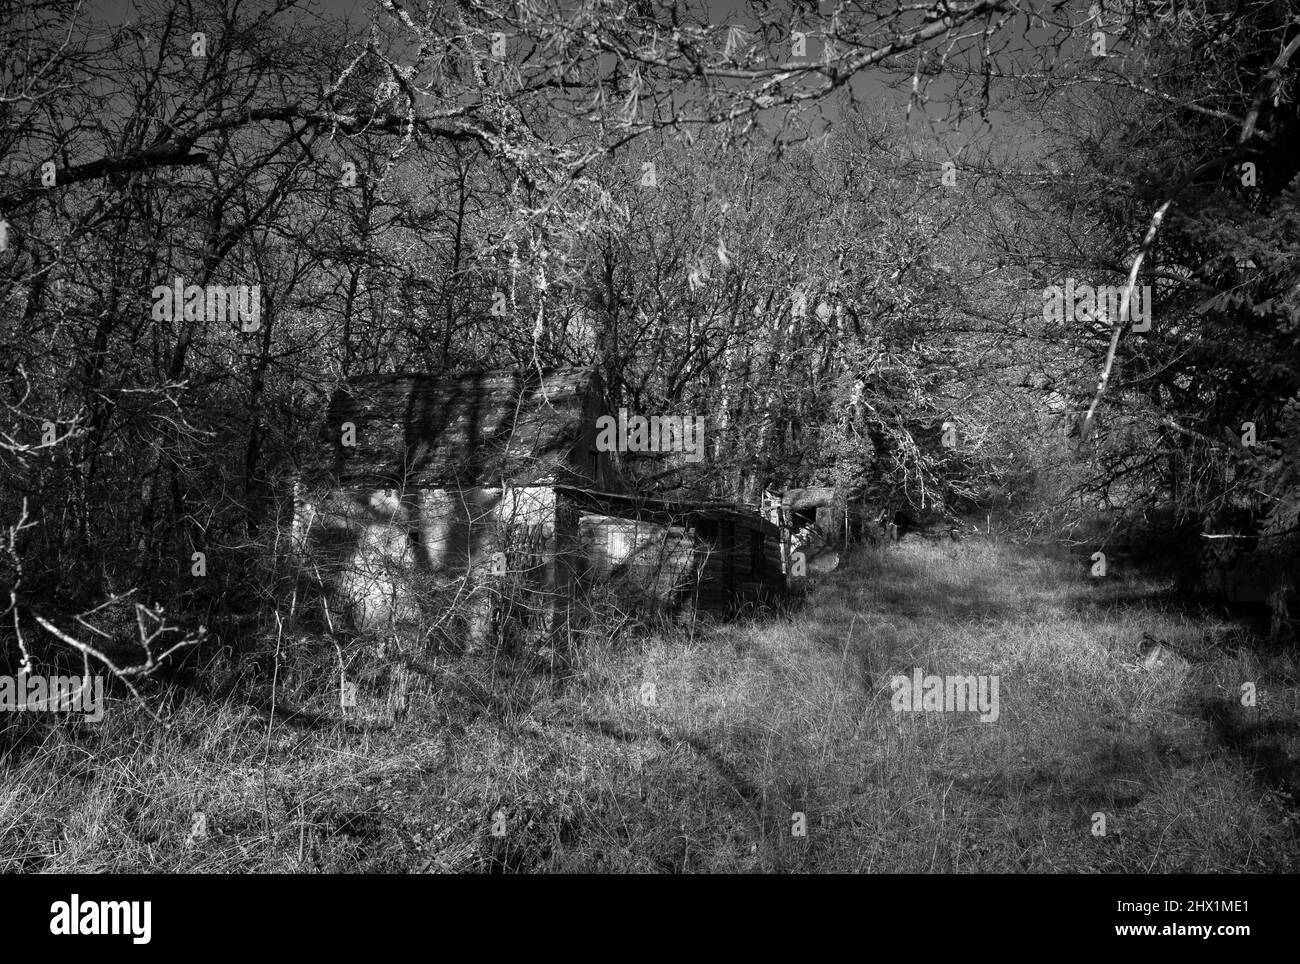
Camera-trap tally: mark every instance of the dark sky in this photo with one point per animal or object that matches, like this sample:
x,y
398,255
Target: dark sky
x,y
929,125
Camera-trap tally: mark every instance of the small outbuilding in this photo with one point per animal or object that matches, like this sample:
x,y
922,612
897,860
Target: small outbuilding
x,y
484,494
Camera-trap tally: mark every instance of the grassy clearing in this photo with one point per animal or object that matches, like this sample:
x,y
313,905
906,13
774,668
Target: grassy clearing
x,y
752,721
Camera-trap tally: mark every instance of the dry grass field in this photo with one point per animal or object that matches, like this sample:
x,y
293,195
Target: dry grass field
x,y
685,747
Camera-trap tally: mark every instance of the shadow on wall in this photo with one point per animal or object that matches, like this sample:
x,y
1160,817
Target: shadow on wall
x,y
390,561
646,564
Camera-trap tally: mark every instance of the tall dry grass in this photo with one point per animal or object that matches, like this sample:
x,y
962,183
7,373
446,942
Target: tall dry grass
x,y
691,746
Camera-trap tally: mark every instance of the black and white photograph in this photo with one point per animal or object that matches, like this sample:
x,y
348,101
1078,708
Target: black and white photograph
x,y
642,437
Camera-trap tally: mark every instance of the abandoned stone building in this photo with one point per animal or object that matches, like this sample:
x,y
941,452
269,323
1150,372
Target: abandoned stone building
x,y
484,494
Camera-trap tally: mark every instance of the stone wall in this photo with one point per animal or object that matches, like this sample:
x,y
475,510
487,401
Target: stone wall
x,y
388,559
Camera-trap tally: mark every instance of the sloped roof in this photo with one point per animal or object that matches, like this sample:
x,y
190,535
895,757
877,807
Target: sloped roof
x,y
467,429
668,511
